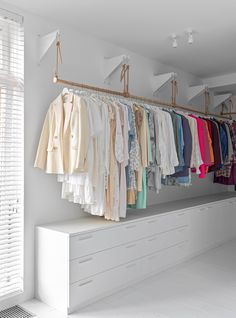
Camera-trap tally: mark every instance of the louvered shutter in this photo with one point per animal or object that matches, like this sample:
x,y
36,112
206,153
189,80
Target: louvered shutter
x,y
11,152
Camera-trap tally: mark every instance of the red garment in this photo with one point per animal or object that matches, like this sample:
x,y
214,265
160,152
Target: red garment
x,y
207,154
200,130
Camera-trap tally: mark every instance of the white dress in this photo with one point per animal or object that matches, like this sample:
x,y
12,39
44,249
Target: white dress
x,y
97,208
82,187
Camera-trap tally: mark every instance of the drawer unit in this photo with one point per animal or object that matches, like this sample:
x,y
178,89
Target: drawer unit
x,y
166,239
166,257
166,222
99,262
89,243
90,265
95,287
85,244
76,267
100,285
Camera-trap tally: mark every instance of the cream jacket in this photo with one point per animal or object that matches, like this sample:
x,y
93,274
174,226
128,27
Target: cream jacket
x,y
64,140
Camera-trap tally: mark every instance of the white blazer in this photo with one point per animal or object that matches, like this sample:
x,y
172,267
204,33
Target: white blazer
x,y
64,140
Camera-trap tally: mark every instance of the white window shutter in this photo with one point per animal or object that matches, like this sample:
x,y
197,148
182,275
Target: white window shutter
x,y
11,153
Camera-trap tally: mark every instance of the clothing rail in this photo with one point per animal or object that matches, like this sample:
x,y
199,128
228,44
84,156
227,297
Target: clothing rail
x,y
125,93
158,103
231,113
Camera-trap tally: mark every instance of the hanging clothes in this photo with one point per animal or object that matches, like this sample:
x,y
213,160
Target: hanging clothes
x,y
216,146
61,148
227,174
201,145
134,158
145,142
79,187
108,152
230,145
183,177
179,139
151,170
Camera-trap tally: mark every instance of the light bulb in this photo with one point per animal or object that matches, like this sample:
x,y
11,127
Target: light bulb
x,y
174,43
190,39
190,36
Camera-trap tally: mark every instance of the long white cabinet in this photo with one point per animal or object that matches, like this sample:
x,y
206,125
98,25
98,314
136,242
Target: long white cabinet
x,y
80,261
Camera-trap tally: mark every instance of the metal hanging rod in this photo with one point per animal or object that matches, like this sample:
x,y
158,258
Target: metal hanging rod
x,y
158,103
233,113
126,94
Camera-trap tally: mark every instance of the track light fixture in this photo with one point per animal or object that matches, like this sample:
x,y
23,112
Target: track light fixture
x,y
190,38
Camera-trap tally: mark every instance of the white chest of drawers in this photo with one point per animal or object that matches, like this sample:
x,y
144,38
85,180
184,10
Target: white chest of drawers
x,y
83,260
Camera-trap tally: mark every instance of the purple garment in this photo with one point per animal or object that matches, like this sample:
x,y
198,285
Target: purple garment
x,y
227,181
232,179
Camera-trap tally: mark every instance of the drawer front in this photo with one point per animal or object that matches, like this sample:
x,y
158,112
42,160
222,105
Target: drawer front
x,y
86,244
165,258
85,291
98,286
86,266
167,222
96,263
167,239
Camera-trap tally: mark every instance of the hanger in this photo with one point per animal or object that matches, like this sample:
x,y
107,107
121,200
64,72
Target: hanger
x,y
65,91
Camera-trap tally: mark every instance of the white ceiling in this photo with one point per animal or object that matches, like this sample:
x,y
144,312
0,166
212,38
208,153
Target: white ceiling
x,y
145,26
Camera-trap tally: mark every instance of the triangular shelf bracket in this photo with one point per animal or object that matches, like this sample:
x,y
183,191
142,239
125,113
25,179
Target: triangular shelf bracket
x,y
159,80
45,42
219,99
111,64
195,91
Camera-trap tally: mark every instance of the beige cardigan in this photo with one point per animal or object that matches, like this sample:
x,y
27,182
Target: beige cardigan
x,y
63,144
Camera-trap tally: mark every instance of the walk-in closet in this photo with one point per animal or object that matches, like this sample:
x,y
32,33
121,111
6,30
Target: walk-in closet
x,y
117,159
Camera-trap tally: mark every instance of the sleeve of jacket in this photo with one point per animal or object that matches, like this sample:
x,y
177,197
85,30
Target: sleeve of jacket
x,y
41,156
83,137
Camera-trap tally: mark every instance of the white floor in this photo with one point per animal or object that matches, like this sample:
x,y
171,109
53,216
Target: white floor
x,y
204,287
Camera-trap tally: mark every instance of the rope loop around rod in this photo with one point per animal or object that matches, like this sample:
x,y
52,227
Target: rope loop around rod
x,y
58,55
124,76
174,91
207,101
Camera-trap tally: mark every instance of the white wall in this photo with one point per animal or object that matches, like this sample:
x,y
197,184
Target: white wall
x,y
82,61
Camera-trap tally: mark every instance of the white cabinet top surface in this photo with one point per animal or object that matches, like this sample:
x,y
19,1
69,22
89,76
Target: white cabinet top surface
x,y
90,223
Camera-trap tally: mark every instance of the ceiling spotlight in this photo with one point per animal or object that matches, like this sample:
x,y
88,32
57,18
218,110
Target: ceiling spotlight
x,y
174,41
190,36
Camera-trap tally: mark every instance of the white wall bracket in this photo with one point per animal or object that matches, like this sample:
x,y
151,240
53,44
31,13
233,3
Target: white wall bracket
x,y
221,81
45,42
225,107
219,99
111,64
195,91
159,80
